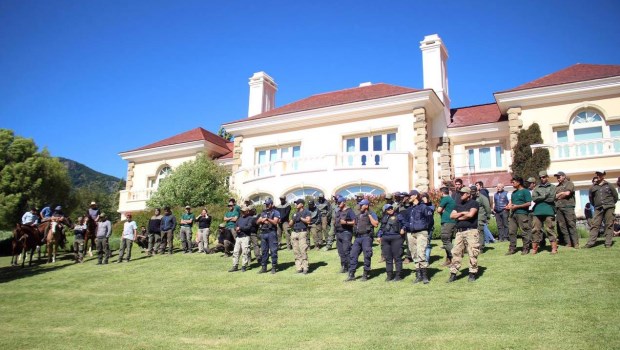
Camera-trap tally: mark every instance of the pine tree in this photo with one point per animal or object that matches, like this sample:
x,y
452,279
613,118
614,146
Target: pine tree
x,y
525,163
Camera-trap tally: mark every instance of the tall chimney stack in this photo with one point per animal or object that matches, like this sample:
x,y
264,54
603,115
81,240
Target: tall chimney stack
x,y
435,68
262,94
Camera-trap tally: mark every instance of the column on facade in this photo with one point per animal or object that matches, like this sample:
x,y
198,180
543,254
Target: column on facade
x,y
514,125
236,164
421,160
130,172
445,160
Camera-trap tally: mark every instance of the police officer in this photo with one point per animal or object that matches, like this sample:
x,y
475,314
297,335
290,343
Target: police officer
x,y
344,219
300,222
365,222
326,212
603,197
543,215
415,221
391,243
466,215
268,221
315,224
284,208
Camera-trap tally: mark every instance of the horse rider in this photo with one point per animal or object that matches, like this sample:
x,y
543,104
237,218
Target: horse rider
x,y
30,218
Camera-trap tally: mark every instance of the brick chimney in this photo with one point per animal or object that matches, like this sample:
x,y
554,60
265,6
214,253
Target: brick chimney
x,y
262,94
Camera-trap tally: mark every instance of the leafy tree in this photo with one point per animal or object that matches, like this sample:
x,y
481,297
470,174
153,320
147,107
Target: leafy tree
x,y
225,134
196,183
525,163
28,177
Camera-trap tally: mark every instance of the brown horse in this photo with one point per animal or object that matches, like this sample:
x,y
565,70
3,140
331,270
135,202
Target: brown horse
x,y
55,237
25,238
90,234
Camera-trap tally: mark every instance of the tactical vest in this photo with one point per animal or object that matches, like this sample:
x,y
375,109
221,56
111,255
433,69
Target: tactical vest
x,y
391,225
341,215
267,226
323,208
299,225
362,224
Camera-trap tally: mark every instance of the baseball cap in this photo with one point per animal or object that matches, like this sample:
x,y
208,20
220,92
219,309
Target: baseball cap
x,y
602,172
341,199
188,207
244,208
542,173
387,206
93,203
531,180
282,197
364,202
473,188
268,201
300,201
388,196
465,189
321,195
414,193
559,173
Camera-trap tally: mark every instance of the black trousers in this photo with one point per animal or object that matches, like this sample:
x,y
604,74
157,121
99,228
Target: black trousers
x,y
343,243
392,250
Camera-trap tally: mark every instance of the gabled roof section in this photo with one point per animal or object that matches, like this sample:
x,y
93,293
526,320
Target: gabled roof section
x,y
229,155
335,98
575,73
197,134
474,115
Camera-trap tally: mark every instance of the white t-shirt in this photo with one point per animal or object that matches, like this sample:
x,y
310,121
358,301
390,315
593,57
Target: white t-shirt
x,y
128,230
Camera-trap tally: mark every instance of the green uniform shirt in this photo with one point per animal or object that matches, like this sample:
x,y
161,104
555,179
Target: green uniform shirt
x,y
568,202
484,210
187,216
520,197
448,204
231,214
544,197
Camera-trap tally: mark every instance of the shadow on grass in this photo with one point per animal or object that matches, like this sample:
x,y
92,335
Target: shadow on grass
x,y
314,266
465,273
11,273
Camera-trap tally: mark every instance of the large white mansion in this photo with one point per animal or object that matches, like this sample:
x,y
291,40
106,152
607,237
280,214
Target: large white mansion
x,y
379,138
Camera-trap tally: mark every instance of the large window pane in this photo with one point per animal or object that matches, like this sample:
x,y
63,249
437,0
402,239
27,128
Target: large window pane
x,y
472,160
350,145
614,131
562,137
377,144
485,158
586,134
498,157
363,144
391,142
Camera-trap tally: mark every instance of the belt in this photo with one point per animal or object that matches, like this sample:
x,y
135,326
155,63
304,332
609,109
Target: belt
x,y
300,230
465,229
362,235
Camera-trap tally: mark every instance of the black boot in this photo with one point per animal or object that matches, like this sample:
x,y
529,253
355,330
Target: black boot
x,y
424,276
364,276
472,277
263,269
343,269
418,276
273,269
397,277
452,278
389,277
351,277
233,269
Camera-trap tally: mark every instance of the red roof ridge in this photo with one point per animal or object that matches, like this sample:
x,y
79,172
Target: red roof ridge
x,y
572,74
195,134
475,115
335,98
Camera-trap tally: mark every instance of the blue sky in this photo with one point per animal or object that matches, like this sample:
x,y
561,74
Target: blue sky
x,y
89,79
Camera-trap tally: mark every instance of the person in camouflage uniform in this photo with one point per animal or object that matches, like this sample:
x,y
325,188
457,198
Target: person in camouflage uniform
x,y
565,206
466,215
543,215
484,213
325,209
315,225
603,197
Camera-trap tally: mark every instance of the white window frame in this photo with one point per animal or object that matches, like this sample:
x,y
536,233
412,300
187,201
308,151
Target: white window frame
x,y
493,152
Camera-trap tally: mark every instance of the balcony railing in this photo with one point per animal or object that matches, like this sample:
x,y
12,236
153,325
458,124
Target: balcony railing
x,y
582,149
137,195
348,160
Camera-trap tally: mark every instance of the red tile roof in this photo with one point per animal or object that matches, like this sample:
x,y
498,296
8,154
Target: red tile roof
x,y
229,155
474,115
197,134
335,98
573,74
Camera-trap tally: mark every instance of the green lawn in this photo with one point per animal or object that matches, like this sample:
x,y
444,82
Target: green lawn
x,y
568,301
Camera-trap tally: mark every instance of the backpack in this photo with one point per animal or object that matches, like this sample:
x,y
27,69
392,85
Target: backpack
x,y
420,217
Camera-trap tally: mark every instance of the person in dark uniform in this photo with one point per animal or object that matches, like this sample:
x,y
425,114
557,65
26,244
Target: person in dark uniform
x,y
331,237
254,239
299,223
283,229
243,227
268,221
344,219
154,231
365,222
391,243
225,241
467,236
603,197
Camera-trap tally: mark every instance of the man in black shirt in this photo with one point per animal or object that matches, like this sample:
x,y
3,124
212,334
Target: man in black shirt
x,y
466,215
284,208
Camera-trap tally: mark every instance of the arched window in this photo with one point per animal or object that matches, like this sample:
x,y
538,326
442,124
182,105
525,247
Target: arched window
x,y
302,193
366,190
587,135
153,182
259,198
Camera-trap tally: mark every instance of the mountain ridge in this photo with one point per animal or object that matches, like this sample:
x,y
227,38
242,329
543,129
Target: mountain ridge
x,y
83,176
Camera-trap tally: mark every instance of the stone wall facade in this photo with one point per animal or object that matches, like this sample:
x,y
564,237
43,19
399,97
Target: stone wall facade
x,y
515,124
421,157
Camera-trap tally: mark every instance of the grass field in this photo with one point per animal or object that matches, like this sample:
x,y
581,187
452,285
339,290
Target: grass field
x,y
568,301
